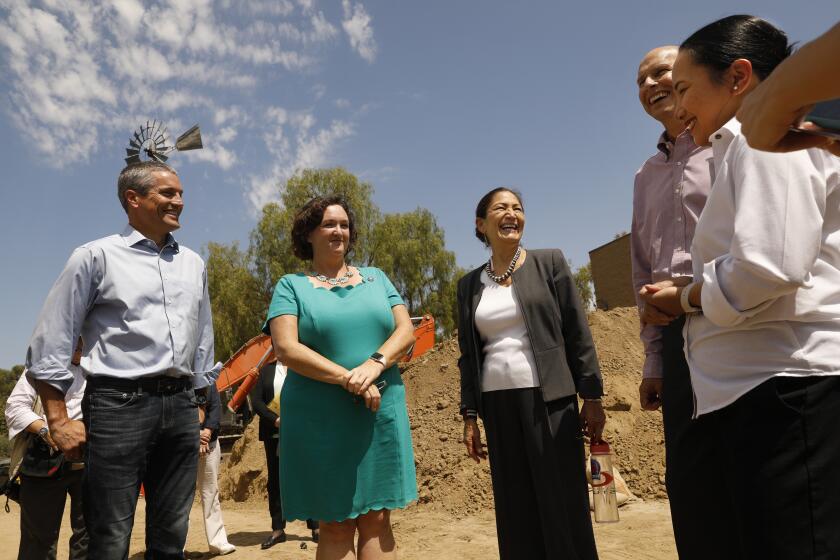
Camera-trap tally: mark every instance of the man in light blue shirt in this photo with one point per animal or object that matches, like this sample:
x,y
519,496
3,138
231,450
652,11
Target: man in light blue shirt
x,y
140,302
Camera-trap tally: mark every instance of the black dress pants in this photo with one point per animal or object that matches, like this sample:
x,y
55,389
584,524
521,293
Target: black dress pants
x,y
539,476
275,504
782,464
704,525
42,502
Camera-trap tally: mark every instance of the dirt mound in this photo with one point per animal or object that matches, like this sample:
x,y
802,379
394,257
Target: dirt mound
x,y
446,477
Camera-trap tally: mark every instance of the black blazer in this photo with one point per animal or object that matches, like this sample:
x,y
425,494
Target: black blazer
x,y
556,323
261,394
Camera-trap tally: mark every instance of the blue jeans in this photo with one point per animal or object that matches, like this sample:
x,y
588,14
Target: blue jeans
x,y
135,437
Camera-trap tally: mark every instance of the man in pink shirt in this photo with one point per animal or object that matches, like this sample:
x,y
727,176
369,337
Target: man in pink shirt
x,y
669,194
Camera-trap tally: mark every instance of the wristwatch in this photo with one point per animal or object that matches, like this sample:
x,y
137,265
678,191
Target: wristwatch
x,y
379,358
43,433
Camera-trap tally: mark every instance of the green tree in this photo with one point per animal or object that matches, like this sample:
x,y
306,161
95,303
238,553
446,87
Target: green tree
x,y
410,248
583,282
238,300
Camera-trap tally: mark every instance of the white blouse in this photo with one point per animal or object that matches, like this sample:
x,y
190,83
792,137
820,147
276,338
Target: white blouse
x,y
508,356
767,248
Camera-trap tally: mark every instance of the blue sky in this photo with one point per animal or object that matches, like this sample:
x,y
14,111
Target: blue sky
x,y
434,102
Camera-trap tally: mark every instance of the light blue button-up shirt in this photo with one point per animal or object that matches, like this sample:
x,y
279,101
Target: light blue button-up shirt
x,y
142,311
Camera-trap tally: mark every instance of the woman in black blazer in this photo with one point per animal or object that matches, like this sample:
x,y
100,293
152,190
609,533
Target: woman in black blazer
x,y
526,353
262,397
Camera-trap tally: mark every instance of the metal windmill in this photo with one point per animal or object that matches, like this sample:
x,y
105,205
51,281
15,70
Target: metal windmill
x,y
149,143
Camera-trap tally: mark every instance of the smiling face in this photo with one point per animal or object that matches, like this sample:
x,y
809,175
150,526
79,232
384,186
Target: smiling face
x,y
505,220
332,236
157,212
704,103
656,92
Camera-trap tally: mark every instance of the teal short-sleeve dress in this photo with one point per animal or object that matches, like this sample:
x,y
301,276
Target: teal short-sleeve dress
x,y
339,460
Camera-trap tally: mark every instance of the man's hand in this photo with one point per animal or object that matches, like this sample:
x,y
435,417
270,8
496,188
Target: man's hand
x,y
592,420
650,315
277,422
202,413
650,393
472,440
362,376
666,300
70,437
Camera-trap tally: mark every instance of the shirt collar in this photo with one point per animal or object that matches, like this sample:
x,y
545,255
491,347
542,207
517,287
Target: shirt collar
x,y
132,237
669,147
723,137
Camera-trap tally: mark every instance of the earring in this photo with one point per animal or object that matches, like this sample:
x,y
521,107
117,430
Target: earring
x,y
734,88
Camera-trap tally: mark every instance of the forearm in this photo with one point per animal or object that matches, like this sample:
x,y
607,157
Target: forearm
x,y
305,361
52,399
397,344
810,75
35,426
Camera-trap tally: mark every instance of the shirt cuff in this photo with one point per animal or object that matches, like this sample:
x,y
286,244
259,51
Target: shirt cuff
x,y
202,379
51,374
21,421
715,304
653,366
590,387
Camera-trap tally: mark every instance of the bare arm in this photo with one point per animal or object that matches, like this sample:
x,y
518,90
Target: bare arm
x,y
392,349
301,358
788,94
68,435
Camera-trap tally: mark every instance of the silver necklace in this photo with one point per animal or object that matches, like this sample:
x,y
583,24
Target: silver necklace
x,y
334,281
499,279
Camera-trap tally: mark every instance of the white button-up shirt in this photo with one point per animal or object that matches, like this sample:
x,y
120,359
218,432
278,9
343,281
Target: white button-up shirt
x,y
141,311
767,248
20,411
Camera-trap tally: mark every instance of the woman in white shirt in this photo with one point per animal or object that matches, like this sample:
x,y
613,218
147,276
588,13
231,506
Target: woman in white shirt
x,y
762,336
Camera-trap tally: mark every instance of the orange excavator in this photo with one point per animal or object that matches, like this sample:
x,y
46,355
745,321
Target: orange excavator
x,y
242,370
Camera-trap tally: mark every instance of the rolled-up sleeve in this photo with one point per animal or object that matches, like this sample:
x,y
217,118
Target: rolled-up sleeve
x,y
777,236
19,412
205,370
60,322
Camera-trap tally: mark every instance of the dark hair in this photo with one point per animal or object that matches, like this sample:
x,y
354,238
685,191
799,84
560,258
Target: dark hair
x,y
139,177
484,203
719,44
310,217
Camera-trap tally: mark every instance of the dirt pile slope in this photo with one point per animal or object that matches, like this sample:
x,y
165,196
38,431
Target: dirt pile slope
x,y
446,477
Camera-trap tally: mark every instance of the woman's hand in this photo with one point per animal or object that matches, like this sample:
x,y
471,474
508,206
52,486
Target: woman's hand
x,y
472,439
362,376
373,399
592,420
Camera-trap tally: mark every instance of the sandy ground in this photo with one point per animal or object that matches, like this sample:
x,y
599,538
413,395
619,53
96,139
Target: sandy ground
x,y
644,533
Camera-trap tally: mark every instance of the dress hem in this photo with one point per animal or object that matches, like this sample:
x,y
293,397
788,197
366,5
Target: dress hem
x,y
354,514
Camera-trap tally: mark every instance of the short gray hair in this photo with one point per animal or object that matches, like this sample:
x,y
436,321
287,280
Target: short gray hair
x,y
139,177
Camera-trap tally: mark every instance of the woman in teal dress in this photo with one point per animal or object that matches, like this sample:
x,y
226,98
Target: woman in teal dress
x,y
345,440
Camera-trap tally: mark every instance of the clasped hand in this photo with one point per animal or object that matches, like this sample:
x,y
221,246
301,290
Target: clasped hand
x,y
360,382
661,301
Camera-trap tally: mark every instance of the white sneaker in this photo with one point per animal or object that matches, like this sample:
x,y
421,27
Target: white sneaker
x,y
226,548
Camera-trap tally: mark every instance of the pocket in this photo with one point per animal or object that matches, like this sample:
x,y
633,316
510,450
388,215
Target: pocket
x,y
791,392
112,400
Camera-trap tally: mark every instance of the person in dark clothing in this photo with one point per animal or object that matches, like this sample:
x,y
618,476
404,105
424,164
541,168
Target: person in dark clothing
x,y
265,400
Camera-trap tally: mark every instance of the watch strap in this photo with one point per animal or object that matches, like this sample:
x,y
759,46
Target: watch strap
x,y
684,301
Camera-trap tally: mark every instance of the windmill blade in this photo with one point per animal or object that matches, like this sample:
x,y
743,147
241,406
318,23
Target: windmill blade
x,y
190,140
132,152
132,160
133,143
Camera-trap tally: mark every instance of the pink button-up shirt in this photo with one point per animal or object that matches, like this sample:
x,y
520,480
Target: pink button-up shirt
x,y
669,193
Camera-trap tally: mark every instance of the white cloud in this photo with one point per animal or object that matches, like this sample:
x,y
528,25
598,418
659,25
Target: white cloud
x,y
296,144
80,75
357,25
